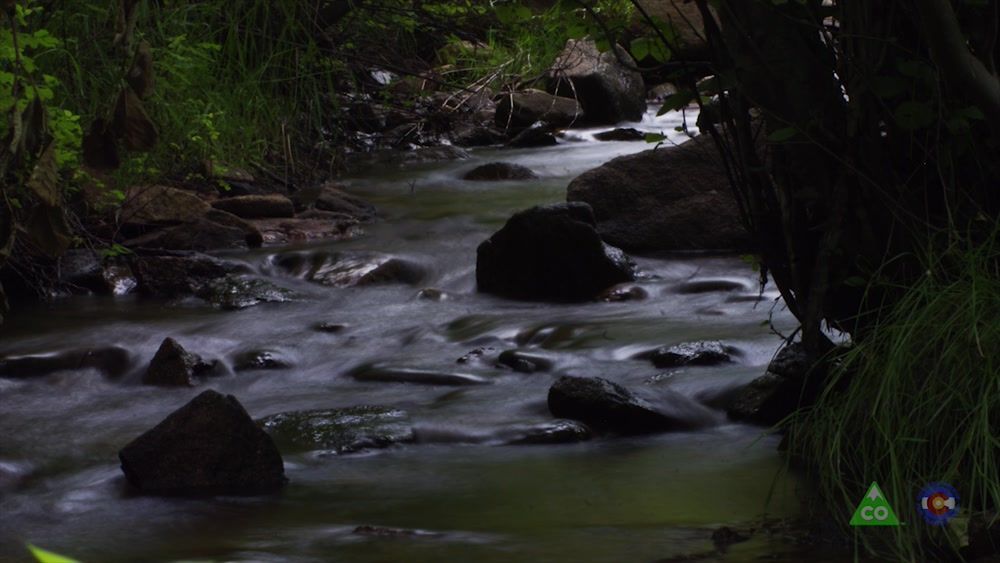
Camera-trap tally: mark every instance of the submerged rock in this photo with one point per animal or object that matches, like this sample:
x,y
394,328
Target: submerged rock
x,y
261,359
336,200
621,134
112,361
173,366
607,406
550,253
500,171
393,374
346,269
524,361
344,430
553,432
169,274
210,446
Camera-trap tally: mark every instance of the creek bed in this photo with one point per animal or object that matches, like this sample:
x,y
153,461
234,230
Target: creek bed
x,y
457,493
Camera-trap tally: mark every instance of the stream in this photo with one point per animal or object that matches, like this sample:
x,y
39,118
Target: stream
x,y
464,495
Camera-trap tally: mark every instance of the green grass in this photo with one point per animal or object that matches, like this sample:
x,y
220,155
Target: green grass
x,y
916,402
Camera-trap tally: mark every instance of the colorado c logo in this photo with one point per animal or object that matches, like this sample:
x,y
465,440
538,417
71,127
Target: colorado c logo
x,y
938,503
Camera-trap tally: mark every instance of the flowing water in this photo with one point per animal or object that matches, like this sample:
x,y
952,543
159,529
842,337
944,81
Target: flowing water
x,y
464,495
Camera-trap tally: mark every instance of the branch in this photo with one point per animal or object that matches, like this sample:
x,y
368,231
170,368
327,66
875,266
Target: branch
x,y
956,61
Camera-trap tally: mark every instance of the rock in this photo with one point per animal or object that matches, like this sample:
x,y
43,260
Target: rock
x,y
169,274
623,292
257,206
173,366
394,374
606,406
210,446
711,285
704,353
330,327
432,294
520,110
161,205
200,236
485,355
345,269
770,398
251,235
310,225
471,135
261,359
554,432
621,134
674,198
686,25
222,171
524,362
86,269
345,430
725,536
532,138
333,199
500,171
550,253
608,91
112,361
239,293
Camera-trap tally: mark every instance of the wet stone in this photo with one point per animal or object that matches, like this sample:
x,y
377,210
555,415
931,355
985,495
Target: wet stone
x,y
711,285
240,293
704,353
173,366
524,362
392,374
344,430
331,328
479,356
261,359
112,361
210,446
554,432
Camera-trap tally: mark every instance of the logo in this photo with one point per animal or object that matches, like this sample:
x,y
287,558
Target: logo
x,y
938,503
874,510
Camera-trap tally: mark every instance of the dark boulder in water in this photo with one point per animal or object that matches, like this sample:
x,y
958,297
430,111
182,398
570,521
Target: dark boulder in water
x,y
778,393
210,446
550,253
607,406
173,366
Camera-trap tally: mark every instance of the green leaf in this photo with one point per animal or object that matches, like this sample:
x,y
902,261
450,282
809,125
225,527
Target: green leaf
x,y
783,134
855,281
676,101
914,115
44,556
655,137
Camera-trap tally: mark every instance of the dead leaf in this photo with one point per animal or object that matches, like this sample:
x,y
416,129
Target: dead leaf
x,y
48,229
140,74
132,124
100,152
44,179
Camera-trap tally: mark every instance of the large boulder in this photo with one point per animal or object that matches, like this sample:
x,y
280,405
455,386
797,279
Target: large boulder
x,y
550,253
788,384
257,206
675,198
607,406
519,110
161,205
333,199
169,274
210,446
609,91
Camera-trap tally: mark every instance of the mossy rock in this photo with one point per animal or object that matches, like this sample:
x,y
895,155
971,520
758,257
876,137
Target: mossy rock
x,y
344,430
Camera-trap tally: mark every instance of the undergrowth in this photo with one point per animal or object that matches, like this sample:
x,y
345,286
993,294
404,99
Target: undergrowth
x,y
917,402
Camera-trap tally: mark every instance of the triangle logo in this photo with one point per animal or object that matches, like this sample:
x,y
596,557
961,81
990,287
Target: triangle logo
x,y
874,510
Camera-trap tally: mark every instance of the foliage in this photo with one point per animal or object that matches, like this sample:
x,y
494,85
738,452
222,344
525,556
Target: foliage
x,y
927,388
43,556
